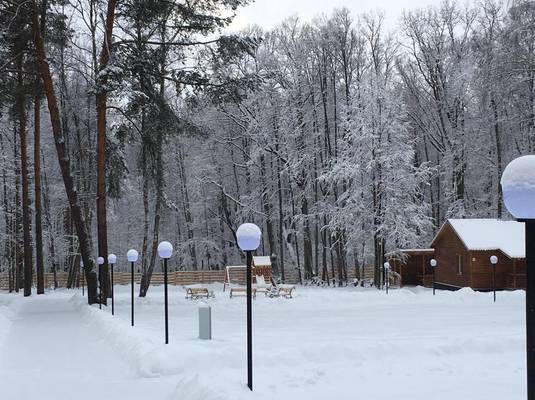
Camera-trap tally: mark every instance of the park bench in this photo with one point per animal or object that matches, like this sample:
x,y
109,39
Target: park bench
x,y
281,291
195,293
241,291
261,285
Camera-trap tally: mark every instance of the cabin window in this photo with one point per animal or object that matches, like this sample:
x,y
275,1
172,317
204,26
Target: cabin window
x,y
459,264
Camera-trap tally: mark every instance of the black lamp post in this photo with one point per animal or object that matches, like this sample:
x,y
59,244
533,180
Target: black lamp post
x,y
494,261
165,251
249,236
112,259
132,256
433,264
518,188
387,268
100,261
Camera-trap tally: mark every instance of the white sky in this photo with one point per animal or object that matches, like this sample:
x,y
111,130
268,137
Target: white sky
x,y
269,13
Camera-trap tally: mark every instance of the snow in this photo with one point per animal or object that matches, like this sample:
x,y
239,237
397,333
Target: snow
x,y
325,343
261,260
518,185
491,234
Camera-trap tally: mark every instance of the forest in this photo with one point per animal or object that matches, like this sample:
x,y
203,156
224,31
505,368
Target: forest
x,y
124,123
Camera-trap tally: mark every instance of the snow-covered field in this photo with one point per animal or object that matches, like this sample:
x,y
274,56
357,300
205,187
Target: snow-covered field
x,y
325,343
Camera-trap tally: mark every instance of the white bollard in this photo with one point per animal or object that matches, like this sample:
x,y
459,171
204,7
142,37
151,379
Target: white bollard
x,y
205,322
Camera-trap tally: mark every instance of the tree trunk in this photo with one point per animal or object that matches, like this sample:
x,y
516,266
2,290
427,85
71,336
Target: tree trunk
x,y
266,206
7,222
26,218
497,138
188,216
37,184
63,157
307,244
51,241
280,259
147,275
101,103
17,219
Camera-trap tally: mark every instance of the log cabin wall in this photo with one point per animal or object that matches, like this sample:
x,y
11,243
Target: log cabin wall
x,y
448,248
516,278
413,269
482,269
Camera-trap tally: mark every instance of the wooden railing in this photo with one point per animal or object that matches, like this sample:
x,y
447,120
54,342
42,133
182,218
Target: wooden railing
x,y
427,280
123,278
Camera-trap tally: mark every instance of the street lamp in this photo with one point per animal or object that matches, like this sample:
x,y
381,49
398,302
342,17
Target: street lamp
x,y
112,259
82,273
494,261
100,261
248,236
165,251
387,267
132,256
518,187
434,264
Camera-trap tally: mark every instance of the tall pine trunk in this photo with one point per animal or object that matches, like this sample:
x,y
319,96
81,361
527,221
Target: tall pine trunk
x,y
26,217
37,185
101,103
17,219
63,156
51,241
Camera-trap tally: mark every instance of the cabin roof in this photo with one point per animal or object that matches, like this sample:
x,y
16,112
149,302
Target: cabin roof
x,y
261,261
481,234
412,252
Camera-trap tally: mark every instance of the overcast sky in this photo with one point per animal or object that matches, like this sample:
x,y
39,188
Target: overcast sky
x,y
268,13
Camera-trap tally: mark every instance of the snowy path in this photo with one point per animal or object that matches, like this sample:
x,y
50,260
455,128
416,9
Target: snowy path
x,y
51,353
324,343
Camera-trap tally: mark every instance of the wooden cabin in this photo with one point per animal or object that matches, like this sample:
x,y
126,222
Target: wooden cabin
x,y
463,248
413,266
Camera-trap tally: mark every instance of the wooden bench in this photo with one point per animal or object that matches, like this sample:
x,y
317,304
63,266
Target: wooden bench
x,y
195,293
282,291
261,286
240,291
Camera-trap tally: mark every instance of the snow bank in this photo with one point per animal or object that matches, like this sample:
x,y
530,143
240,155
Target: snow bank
x,y
305,346
7,312
147,357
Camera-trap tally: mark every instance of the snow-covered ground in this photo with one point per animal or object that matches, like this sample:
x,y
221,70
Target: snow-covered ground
x,y
324,343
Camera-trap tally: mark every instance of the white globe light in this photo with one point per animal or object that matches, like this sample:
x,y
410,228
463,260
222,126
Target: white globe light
x,y
132,255
81,264
165,250
518,186
112,258
433,263
493,260
248,236
100,260
387,265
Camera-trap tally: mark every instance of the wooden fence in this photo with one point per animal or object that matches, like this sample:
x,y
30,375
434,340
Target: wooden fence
x,y
182,277
123,278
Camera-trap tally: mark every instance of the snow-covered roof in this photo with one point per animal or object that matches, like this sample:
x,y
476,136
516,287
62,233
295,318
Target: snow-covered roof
x,y
417,250
261,260
491,234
